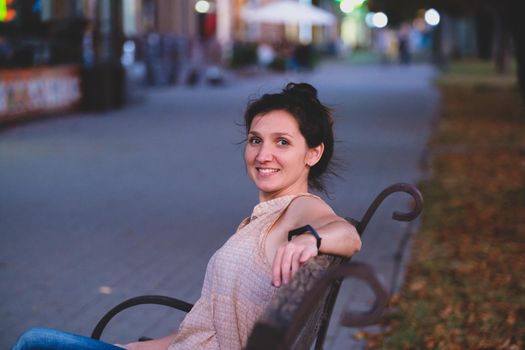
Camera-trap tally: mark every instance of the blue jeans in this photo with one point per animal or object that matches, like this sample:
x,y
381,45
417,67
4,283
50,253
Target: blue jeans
x,y
49,339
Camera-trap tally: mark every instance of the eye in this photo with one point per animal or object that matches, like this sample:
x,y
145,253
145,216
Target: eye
x,y
283,142
254,140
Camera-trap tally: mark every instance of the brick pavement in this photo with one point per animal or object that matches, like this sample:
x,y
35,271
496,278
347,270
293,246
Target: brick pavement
x,y
96,208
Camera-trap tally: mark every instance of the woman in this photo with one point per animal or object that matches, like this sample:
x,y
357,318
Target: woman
x,y
288,150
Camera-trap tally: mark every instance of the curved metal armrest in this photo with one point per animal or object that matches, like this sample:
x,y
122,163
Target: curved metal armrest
x,y
399,216
145,299
350,269
367,274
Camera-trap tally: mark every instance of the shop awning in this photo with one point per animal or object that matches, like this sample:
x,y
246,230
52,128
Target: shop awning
x,y
288,12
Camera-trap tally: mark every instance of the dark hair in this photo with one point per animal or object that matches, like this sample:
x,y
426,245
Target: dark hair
x,y
314,119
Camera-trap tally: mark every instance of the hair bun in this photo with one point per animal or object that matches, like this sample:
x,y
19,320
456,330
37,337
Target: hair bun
x,y
303,89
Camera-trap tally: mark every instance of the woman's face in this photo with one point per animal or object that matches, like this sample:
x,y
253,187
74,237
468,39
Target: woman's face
x,y
277,156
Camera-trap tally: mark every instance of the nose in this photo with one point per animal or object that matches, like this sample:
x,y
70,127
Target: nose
x,y
264,154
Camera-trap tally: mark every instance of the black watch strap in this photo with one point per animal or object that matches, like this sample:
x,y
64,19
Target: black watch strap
x,y
301,230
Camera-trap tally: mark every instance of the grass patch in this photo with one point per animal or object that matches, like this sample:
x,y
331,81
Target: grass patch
x,y
465,287
364,57
475,67
462,77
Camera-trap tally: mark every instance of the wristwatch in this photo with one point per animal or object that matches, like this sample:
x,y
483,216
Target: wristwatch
x,y
301,230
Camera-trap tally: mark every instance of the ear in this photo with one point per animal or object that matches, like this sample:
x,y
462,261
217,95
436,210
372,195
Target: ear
x,y
314,155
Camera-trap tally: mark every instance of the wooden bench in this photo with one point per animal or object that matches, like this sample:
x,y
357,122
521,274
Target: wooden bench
x,y
300,312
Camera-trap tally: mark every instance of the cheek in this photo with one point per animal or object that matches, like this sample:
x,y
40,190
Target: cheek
x,y
300,158
292,162
248,155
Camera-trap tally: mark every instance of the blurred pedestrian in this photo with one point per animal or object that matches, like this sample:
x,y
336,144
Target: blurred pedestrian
x,y
265,54
303,55
196,61
214,72
382,44
288,150
404,44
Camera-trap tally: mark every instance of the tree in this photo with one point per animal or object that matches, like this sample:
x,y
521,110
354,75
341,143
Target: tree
x,y
515,12
505,17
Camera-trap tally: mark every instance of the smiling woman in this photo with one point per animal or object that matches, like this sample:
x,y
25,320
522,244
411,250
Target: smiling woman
x,y
277,157
312,118
289,146
289,149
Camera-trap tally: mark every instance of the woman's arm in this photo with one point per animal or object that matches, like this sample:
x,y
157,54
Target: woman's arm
x,y
338,237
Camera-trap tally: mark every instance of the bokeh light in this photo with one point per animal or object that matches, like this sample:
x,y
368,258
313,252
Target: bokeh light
x,y
379,20
368,19
432,17
202,6
347,6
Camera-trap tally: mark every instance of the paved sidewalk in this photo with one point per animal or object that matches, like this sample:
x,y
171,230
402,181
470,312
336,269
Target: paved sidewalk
x,y
97,208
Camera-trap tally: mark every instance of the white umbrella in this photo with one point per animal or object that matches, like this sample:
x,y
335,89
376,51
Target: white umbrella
x,y
288,12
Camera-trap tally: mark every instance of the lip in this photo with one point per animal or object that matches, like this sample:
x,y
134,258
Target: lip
x,y
266,171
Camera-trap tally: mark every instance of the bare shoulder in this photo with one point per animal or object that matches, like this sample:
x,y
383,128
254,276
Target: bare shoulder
x,y
309,203
310,209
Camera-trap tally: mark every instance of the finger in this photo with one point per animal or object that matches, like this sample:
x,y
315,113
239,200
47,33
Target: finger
x,y
305,255
276,267
286,265
295,263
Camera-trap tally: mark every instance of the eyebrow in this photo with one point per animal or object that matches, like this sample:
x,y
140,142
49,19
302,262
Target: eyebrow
x,y
275,134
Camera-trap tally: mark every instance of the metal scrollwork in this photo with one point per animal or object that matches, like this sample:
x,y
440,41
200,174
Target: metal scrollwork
x,y
399,216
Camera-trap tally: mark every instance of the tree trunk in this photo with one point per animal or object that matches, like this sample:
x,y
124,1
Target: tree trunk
x,y
485,32
516,14
502,38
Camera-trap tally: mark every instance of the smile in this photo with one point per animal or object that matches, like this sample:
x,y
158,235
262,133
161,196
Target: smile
x,y
267,170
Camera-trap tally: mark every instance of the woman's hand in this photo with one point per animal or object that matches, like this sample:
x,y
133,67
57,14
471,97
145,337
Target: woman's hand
x,y
290,256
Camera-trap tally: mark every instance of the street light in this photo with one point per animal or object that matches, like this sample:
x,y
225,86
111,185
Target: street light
x,y
432,17
379,20
347,6
202,6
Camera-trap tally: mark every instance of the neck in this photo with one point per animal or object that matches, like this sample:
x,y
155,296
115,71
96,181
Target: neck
x,y
266,196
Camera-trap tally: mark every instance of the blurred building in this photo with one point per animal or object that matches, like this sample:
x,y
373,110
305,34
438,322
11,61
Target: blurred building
x,y
98,51
47,49
103,51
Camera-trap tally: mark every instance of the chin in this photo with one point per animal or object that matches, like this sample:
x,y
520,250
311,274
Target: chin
x,y
267,188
